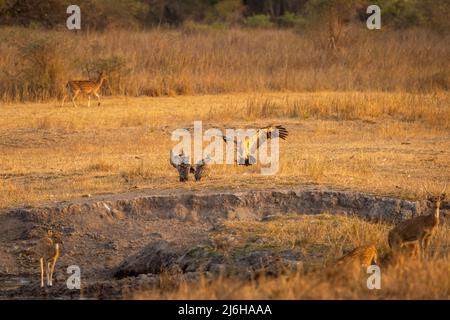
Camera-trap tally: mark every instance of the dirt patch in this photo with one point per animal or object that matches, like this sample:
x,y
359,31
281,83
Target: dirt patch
x,y
128,241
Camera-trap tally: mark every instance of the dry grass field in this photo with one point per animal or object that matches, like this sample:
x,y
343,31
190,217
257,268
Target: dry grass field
x,y
36,64
371,116
320,240
384,143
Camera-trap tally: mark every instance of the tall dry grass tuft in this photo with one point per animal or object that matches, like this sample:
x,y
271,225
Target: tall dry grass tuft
x,y
33,67
431,109
321,239
399,142
415,280
171,62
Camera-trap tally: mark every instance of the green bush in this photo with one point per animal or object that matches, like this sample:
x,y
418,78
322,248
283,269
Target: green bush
x,y
258,21
402,13
290,20
226,11
192,27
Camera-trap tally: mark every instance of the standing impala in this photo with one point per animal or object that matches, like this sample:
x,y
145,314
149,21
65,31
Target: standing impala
x,y
89,87
48,252
417,231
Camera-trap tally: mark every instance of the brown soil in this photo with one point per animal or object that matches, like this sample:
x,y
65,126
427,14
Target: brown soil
x,y
130,241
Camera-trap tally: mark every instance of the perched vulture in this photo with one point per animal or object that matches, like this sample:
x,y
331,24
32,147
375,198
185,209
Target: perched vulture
x,y
201,168
181,163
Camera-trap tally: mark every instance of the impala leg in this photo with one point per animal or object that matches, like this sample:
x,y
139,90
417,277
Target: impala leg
x,y
395,242
74,96
63,100
414,250
67,92
98,98
422,249
89,101
419,249
52,269
41,260
48,273
426,245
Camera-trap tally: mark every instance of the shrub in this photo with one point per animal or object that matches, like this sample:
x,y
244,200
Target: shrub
x,y
401,13
258,21
115,67
42,73
289,20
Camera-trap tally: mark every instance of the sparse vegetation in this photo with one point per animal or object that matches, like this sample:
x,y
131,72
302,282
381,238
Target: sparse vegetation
x,y
211,61
365,110
321,239
259,21
386,143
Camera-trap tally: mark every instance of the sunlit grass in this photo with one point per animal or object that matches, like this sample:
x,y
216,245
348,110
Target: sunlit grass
x,y
320,239
52,153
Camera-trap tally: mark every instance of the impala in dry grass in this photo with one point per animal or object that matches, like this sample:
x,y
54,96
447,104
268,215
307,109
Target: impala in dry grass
x,y
417,232
88,87
363,256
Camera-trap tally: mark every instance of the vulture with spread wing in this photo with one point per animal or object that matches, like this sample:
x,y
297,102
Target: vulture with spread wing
x,y
251,144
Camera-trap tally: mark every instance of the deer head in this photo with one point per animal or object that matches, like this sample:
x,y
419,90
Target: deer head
x,y
55,236
438,199
102,77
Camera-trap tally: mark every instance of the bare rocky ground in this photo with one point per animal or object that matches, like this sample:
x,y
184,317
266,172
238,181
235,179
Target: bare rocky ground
x,y
127,242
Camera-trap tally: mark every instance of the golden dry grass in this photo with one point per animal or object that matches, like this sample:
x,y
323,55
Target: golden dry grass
x,y
174,62
386,143
372,116
322,239
415,280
